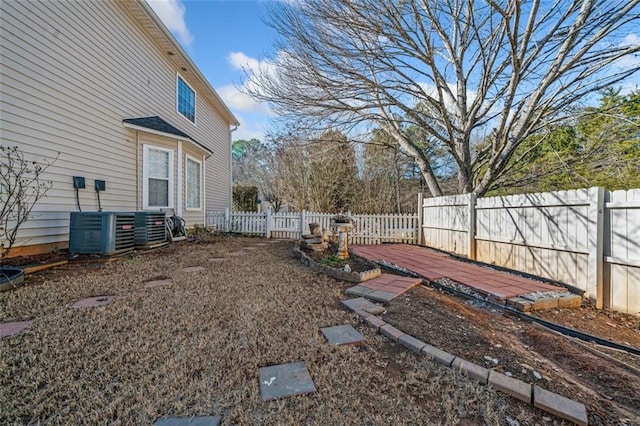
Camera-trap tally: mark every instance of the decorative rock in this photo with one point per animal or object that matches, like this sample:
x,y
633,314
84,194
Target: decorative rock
x,y
537,375
281,381
508,373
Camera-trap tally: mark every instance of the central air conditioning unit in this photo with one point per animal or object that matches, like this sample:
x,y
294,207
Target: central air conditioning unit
x,y
101,232
151,228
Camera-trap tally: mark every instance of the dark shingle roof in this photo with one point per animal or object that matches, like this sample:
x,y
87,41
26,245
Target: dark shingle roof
x,y
158,124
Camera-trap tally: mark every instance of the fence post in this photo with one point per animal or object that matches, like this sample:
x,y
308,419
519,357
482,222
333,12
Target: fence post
x,y
267,223
303,221
419,226
595,222
472,226
226,219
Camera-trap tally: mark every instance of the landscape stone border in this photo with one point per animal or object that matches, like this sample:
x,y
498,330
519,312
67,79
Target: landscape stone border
x,y
339,274
550,402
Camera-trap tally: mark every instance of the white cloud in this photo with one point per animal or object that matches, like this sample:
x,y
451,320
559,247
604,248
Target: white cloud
x,y
250,129
236,99
240,61
171,13
630,61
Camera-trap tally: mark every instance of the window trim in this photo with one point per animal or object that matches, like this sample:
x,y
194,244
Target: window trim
x,y
195,100
145,177
186,183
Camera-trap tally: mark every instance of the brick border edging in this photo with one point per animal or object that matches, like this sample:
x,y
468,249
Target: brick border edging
x,y
354,277
533,395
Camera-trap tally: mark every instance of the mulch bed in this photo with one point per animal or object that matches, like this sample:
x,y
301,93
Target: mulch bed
x,y
194,347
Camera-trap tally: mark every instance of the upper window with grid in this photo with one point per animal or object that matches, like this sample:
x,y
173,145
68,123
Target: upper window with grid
x,y
186,100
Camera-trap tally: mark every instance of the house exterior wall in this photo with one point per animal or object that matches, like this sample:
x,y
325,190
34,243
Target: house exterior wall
x,y
71,72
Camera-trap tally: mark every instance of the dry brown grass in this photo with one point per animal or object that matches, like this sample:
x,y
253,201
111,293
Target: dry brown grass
x,y
194,348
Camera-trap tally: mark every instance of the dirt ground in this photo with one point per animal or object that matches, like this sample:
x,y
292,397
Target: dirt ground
x,y
194,348
610,390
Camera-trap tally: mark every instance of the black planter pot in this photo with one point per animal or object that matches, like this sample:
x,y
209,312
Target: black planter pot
x,y
10,278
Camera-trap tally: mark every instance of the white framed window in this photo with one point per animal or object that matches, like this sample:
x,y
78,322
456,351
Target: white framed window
x,y
185,99
193,180
157,177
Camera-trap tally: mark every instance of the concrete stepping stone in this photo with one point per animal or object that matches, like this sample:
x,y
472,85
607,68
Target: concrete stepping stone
x,y
359,290
237,253
189,421
382,296
13,328
193,269
362,304
281,381
343,335
92,302
158,283
217,259
261,244
250,248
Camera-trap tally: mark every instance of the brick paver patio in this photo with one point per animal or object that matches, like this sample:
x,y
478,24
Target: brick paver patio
x,y
434,265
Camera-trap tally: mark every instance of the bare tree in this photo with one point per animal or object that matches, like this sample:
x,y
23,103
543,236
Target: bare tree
x,y
312,173
504,69
21,186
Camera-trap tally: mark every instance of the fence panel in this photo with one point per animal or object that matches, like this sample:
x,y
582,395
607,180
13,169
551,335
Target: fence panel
x,y
622,251
587,238
543,234
445,223
368,229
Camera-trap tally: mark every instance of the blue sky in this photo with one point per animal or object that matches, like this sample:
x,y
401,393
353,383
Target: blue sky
x,y
221,37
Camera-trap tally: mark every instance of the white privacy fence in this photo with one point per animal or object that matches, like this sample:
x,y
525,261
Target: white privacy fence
x,y
368,229
588,238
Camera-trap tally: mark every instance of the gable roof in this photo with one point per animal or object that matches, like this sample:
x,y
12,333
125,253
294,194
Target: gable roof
x,y
174,53
159,126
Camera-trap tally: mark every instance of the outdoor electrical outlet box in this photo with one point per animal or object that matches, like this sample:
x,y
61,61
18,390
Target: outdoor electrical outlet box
x,y
78,182
100,185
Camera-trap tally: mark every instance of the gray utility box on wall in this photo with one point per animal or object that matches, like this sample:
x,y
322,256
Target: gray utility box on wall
x,y
101,232
151,228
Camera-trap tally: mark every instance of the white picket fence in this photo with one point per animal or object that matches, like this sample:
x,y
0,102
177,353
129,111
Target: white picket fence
x,y
588,238
368,229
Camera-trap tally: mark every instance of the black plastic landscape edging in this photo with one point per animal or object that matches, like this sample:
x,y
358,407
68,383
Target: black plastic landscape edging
x,y
567,331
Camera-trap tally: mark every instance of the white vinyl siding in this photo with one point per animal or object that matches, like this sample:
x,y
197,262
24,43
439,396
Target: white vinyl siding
x,y
193,180
157,172
71,72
